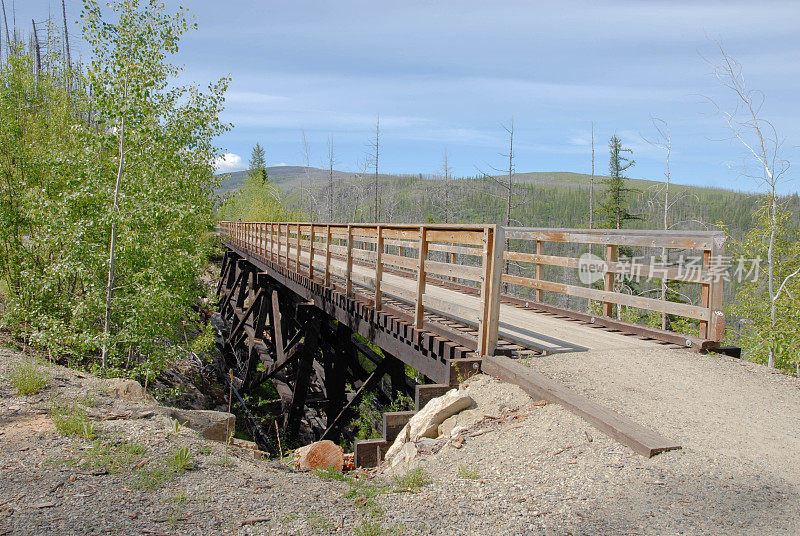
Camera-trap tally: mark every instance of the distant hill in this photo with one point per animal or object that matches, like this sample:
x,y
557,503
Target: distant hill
x,y
289,178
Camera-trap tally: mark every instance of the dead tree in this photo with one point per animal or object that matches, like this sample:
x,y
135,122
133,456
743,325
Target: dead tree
x,y
66,45
330,179
507,186
664,142
591,186
375,156
761,140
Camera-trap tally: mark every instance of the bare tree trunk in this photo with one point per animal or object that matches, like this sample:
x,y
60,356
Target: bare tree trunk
x,y
38,51
446,189
510,131
330,178
307,186
591,186
664,251
377,156
66,45
773,309
112,259
9,44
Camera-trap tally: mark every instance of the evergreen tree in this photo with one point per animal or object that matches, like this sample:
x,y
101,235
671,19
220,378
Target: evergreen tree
x,y
615,206
258,165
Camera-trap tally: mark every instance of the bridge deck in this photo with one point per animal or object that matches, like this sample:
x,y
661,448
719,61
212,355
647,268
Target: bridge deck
x,y
525,327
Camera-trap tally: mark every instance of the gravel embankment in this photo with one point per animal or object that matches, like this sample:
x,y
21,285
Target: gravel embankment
x,y
536,470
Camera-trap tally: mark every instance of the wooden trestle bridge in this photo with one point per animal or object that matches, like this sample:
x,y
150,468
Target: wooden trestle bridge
x,y
301,301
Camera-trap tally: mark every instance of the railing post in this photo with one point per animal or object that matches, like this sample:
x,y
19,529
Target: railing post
x,y
711,296
612,253
311,253
287,245
348,279
495,249
419,308
327,255
379,269
539,270
297,258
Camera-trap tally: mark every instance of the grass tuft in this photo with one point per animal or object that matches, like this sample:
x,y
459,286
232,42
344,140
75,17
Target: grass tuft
x,y
181,460
28,379
411,481
467,472
71,419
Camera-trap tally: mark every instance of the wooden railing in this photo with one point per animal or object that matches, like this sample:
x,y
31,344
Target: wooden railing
x,y
473,257
706,247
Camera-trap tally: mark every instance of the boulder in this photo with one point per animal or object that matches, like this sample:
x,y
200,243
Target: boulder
x,y
130,390
215,425
426,422
319,455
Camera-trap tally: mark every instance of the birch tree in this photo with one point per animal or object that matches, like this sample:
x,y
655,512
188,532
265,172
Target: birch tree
x,y
769,332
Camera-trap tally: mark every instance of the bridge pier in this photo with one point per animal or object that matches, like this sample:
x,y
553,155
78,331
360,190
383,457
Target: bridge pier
x,y
307,345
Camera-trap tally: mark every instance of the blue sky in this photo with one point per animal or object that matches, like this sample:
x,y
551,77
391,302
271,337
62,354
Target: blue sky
x,y
447,74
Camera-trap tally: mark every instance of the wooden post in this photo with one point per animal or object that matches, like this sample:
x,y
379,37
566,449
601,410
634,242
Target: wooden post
x,y
311,253
277,326
379,269
612,254
303,375
335,376
348,278
419,308
270,244
299,248
490,319
327,255
397,374
706,294
539,270
287,246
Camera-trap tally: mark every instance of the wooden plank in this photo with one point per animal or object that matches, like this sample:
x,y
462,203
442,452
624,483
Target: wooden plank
x,y
393,422
408,263
460,271
456,237
642,440
681,309
701,240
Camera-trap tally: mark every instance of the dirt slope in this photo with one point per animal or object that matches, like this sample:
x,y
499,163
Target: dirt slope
x,y
527,469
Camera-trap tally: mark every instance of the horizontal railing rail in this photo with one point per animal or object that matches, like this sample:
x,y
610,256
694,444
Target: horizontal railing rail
x,y
371,257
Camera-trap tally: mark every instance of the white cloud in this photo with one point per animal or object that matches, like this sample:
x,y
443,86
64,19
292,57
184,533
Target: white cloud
x,y
228,162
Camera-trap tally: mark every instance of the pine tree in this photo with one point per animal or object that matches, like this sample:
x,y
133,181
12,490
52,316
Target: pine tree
x,y
615,205
258,165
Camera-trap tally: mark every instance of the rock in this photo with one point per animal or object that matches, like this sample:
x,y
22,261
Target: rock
x,y
319,455
215,425
426,422
130,390
401,461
